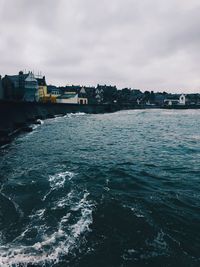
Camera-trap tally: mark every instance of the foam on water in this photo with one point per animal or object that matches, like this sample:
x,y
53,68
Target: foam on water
x,y
57,181
40,121
145,188
35,126
71,115
51,244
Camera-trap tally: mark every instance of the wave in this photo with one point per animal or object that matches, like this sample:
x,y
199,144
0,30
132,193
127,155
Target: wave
x,y
40,121
52,247
42,243
37,124
78,114
58,180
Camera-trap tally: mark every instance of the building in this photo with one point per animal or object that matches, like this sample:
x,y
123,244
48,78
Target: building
x,y
99,94
14,86
73,97
174,100
82,97
42,88
182,99
20,87
90,93
106,93
48,93
31,89
68,98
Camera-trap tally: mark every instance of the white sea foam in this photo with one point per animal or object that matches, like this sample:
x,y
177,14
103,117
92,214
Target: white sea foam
x,y
40,121
78,114
35,126
70,115
54,245
58,180
59,116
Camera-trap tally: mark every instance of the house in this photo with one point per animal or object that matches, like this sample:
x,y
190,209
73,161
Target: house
x,y
20,87
49,93
68,98
82,97
174,100
106,93
14,86
90,92
31,88
182,99
99,94
42,88
73,97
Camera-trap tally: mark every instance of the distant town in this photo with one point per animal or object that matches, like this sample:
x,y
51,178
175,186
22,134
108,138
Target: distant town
x,y
28,87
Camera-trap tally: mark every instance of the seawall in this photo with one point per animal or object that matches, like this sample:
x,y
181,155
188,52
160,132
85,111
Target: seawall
x,y
16,116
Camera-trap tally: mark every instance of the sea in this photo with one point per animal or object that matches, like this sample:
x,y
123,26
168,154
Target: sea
x,y
103,190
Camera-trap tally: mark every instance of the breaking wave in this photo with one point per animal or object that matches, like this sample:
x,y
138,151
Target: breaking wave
x,y
69,115
43,242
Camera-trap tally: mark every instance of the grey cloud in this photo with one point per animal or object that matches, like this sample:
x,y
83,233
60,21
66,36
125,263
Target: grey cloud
x,y
144,44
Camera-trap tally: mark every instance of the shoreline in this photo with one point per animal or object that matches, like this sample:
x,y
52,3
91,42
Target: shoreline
x,y
17,117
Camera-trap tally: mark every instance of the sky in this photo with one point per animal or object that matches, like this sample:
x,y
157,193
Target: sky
x,y
145,44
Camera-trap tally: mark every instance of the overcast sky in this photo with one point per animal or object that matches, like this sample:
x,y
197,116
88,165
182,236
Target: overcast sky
x,y
146,44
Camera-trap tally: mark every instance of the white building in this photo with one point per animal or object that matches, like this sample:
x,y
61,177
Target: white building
x,y
68,98
182,99
72,98
31,88
178,100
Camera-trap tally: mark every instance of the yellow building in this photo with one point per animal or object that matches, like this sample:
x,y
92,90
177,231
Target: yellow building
x,y
42,88
44,95
52,94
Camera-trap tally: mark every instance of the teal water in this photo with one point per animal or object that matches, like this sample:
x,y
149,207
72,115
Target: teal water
x,y
111,190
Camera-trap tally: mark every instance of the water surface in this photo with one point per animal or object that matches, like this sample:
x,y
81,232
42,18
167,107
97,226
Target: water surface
x,y
111,190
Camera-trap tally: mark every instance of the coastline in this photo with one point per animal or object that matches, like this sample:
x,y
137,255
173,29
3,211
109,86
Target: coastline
x,y
17,117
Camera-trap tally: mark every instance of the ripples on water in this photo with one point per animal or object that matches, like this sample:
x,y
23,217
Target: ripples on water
x,y
119,189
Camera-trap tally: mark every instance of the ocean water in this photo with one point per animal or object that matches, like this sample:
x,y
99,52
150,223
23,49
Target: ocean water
x,y
120,189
